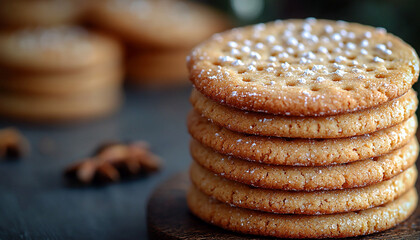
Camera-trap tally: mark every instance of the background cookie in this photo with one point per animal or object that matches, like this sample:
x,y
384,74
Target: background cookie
x,y
300,152
31,13
303,68
57,83
301,202
337,126
55,49
157,23
296,226
52,109
356,174
157,68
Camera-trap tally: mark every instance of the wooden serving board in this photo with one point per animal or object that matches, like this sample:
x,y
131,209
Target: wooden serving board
x,y
168,217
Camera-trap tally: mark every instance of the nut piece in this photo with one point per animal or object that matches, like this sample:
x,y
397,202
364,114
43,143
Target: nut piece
x,y
113,161
12,144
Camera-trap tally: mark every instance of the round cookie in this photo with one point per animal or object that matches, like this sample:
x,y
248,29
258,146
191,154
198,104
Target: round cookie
x,y
30,13
337,126
146,68
68,83
157,23
356,174
56,49
304,67
302,226
301,202
54,109
300,152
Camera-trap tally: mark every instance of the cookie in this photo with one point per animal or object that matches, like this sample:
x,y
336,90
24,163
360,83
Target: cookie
x,y
300,152
301,202
58,83
59,109
157,23
52,49
29,13
145,68
337,126
304,67
356,174
302,226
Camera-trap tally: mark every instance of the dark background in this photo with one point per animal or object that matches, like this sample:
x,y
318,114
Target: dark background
x,y
37,203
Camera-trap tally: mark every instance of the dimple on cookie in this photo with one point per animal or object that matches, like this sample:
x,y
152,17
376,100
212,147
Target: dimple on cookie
x,y
337,126
301,202
304,67
302,226
356,174
300,152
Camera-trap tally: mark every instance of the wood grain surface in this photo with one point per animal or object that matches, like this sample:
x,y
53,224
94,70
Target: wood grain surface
x,y
168,218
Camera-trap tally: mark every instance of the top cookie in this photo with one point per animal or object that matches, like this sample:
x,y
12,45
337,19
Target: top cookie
x,y
56,49
304,67
158,23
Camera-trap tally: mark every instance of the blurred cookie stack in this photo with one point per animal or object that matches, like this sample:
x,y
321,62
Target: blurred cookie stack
x,y
58,74
303,129
33,13
51,70
158,35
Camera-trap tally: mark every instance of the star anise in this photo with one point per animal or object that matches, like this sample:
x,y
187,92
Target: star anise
x,y
111,162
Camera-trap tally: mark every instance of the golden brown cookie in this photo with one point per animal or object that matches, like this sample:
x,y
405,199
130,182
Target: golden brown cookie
x,y
300,152
356,174
157,23
59,83
337,126
31,13
349,224
56,49
52,109
304,67
301,202
157,68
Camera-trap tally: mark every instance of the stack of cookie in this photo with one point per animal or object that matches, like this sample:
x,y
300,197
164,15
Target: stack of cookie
x,y
158,34
303,128
51,74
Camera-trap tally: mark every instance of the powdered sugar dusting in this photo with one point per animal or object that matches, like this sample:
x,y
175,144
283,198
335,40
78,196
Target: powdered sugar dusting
x,y
311,54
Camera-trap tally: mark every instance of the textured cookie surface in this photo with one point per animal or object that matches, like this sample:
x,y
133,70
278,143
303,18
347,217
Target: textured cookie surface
x,y
157,23
342,125
304,68
303,152
356,174
301,202
302,226
56,49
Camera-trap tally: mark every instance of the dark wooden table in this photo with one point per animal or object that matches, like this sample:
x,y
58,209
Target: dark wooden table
x,y
36,202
